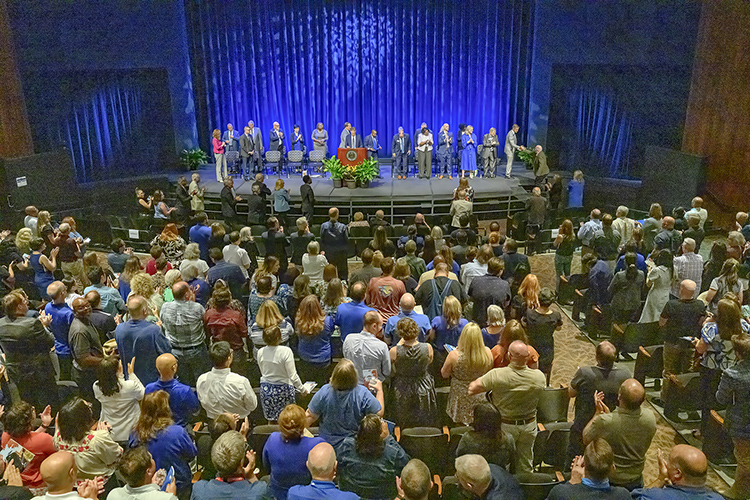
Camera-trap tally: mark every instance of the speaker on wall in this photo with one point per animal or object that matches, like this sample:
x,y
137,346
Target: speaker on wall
x,y
671,177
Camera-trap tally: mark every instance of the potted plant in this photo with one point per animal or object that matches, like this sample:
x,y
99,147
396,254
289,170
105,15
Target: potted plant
x,y
336,169
366,172
193,158
527,156
350,177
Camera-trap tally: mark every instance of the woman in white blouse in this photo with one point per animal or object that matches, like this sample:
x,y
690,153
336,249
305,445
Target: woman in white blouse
x,y
120,398
278,375
313,263
192,256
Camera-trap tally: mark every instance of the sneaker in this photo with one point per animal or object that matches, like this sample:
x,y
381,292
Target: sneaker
x,y
507,176
440,177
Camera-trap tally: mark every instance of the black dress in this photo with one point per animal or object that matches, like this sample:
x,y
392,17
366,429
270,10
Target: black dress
x,y
415,402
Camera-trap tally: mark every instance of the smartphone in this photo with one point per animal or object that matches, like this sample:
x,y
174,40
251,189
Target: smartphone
x,y
168,479
448,347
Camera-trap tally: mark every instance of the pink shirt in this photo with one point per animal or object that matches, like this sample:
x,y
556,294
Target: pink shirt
x,y
218,146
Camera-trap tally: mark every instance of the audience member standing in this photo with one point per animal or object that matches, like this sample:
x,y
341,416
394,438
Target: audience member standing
x,y
541,323
61,316
406,310
384,292
279,380
659,282
225,320
350,315
536,211
314,329
688,266
334,239
668,238
183,401
229,199
141,339
220,390
86,348
119,398
367,351
488,290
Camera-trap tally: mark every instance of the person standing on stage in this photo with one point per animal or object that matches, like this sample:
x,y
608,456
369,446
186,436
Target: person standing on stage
x,y
247,152
401,148
308,198
298,142
320,139
219,157
373,148
344,134
416,136
459,142
541,170
469,153
277,143
257,156
353,140
424,146
511,146
489,152
231,138
445,151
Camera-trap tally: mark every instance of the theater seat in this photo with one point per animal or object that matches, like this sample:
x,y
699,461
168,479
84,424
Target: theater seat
x,y
551,445
260,435
428,444
717,445
536,485
455,438
553,405
451,488
649,363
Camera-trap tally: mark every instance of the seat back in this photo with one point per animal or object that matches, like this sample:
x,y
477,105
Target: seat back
x,y
295,156
717,444
261,433
316,156
451,488
273,156
455,436
359,232
553,405
536,486
648,363
428,444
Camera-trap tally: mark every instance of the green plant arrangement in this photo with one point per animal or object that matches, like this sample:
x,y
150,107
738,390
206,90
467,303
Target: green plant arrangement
x,y
334,167
366,172
527,155
193,158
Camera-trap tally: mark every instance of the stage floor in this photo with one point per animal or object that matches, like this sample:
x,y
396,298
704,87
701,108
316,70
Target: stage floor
x,y
387,188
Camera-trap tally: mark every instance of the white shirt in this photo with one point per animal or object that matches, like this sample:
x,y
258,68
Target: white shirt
x,y
199,264
422,138
145,492
702,213
367,352
276,363
65,496
221,391
235,254
313,266
122,409
471,270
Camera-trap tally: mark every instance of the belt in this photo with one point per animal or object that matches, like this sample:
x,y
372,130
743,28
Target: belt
x,y
520,421
181,348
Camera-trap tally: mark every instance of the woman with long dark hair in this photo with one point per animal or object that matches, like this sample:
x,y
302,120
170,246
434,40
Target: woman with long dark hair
x,y
120,398
712,267
19,426
381,242
487,438
726,282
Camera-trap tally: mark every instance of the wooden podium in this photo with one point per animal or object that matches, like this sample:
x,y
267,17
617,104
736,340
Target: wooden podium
x,y
351,156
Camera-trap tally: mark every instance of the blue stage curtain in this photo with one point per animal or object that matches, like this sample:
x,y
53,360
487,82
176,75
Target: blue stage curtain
x,y
376,63
602,133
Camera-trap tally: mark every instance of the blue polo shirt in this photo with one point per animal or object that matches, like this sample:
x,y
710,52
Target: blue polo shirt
x,y
340,412
287,461
672,492
422,321
172,447
144,340
316,348
182,399
319,490
201,234
220,490
350,317
62,317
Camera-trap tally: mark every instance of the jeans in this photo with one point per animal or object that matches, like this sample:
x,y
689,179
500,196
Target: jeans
x,y
192,362
221,166
444,164
562,267
524,436
401,164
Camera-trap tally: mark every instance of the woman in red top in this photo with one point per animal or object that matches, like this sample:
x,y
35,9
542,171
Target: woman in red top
x,y
18,427
224,319
221,160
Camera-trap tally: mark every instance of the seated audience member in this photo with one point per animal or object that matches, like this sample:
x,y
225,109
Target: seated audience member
x,y
604,378
628,429
119,255
367,271
489,289
343,392
270,268
513,331
222,270
369,461
235,467
406,310
314,329
269,316
368,353
19,425
379,221
225,320
140,339
417,265
285,453
358,221
381,243
487,438
486,481
411,235
96,453
200,288
169,444
321,462
385,291
415,481
589,477
111,301
60,474
350,315
463,225
120,398
313,263
220,390
432,293
138,468
495,319
682,476
279,380
183,401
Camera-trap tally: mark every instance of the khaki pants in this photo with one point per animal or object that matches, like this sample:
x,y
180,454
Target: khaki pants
x,y
524,436
741,487
74,270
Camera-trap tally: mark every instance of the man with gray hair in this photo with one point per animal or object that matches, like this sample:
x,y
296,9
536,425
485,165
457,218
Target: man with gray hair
x,y
541,170
688,266
345,134
406,306
321,462
256,145
401,149
62,316
415,482
623,225
486,481
235,469
445,151
490,142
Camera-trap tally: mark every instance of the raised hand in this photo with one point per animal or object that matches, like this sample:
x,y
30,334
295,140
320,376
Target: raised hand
x,y
131,366
46,416
45,319
249,471
12,476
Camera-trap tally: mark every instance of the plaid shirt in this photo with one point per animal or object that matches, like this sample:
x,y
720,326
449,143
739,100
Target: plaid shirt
x,y
687,267
183,323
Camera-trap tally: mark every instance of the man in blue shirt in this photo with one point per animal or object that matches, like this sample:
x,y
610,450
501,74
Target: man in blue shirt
x,y
350,316
111,300
200,233
407,304
321,462
182,398
62,317
223,270
140,339
681,477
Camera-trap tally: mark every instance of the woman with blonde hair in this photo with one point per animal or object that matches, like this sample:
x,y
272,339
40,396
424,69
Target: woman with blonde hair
x,y
132,267
447,328
468,361
23,238
278,374
218,236
313,263
192,257
727,282
314,328
495,325
437,237
269,316
285,452
513,331
219,156
402,272
45,230
270,268
281,201
526,298
143,284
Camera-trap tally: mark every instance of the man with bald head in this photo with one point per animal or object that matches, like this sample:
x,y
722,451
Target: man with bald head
x,y
485,481
515,392
321,462
141,339
603,378
668,238
62,316
682,476
60,474
87,350
406,310
629,429
182,320
183,400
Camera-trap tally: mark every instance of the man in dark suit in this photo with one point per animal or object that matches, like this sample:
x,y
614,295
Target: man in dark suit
x,y
513,259
276,242
401,149
373,148
308,198
257,157
490,142
231,138
256,207
445,151
353,140
229,201
277,143
334,240
247,152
